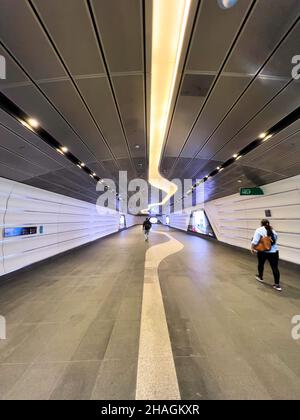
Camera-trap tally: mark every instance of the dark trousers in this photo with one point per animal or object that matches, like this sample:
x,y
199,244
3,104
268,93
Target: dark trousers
x,y
273,258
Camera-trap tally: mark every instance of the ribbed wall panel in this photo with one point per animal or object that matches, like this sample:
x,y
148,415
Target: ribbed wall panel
x,y
67,223
180,220
235,218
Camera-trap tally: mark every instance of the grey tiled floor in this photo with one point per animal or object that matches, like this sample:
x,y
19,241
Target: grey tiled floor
x,y
74,324
231,336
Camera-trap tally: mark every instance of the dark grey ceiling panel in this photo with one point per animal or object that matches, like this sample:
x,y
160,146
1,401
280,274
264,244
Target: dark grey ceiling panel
x,y
71,106
279,108
196,85
88,92
22,35
215,31
130,96
34,104
260,93
17,162
141,166
11,173
267,147
18,146
285,154
193,93
126,165
280,64
225,93
166,164
14,75
205,168
69,25
97,94
28,137
120,26
267,25
292,170
80,178
46,184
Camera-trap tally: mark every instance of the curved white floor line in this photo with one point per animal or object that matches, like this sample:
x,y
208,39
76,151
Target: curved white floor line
x,y
156,376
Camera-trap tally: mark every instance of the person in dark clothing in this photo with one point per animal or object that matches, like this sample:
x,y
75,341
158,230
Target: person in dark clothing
x,y
147,225
272,255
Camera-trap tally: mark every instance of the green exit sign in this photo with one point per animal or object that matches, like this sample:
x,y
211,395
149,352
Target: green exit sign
x,y
251,191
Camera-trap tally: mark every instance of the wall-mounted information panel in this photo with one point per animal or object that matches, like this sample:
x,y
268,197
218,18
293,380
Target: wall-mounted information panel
x,y
199,223
20,231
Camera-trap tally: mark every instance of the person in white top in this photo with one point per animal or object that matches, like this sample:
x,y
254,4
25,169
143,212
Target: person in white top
x,y
272,255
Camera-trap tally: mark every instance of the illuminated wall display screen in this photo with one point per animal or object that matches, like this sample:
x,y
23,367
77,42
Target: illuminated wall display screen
x,y
19,231
199,223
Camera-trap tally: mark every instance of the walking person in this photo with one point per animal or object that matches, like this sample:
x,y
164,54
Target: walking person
x,y
147,225
264,243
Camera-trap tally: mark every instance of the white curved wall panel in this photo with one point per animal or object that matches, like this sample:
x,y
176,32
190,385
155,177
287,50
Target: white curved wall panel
x,y
67,223
234,218
180,220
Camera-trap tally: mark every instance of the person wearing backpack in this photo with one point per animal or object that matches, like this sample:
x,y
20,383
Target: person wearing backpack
x,y
147,225
264,243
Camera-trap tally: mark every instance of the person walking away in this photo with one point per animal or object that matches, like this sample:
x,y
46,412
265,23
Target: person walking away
x,y
147,225
264,244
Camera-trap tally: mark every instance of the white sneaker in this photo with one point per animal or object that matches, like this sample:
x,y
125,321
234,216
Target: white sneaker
x,y
278,288
259,279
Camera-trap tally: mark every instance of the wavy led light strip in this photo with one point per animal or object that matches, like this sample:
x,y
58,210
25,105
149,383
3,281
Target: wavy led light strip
x,y
169,25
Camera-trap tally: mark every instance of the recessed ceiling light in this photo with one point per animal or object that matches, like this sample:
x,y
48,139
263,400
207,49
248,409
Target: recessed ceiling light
x,y
82,164
218,168
221,169
60,151
239,157
25,124
33,123
137,146
262,135
64,149
94,174
240,181
235,155
268,137
79,166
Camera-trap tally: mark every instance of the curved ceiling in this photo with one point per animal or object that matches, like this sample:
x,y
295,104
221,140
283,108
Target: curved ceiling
x,y
81,68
